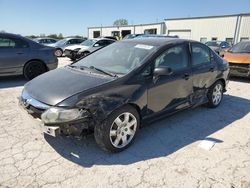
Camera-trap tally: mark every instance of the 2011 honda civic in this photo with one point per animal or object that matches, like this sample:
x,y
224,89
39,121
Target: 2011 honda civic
x,y
116,89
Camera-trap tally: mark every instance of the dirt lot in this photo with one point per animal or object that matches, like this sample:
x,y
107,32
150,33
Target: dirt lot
x,y
165,154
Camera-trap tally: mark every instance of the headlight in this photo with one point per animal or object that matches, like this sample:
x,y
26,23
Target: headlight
x,y
77,49
60,115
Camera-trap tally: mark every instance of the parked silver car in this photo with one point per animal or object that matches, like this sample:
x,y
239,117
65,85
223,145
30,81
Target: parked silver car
x,y
22,56
62,44
45,41
88,46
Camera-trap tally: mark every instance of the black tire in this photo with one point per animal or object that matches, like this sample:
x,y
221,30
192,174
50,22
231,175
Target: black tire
x,y
211,94
33,69
59,52
102,132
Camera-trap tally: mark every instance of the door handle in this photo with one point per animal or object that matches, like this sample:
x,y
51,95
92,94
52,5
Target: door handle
x,y
19,53
186,76
211,69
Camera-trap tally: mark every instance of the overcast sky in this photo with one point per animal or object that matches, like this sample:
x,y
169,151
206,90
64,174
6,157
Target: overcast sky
x,y
71,17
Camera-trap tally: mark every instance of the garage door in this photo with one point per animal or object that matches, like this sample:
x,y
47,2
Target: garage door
x,y
182,34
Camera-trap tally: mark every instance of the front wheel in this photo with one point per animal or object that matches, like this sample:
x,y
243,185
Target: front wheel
x,y
215,94
118,130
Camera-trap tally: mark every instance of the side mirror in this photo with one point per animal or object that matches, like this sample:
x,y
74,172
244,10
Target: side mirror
x,y
96,45
162,71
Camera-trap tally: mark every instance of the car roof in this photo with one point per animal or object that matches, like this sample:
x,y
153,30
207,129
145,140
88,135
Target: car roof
x,y
157,41
44,38
102,38
10,35
217,41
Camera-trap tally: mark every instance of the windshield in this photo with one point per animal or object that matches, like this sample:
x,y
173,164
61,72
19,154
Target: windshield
x,y
242,47
88,42
60,42
118,58
213,43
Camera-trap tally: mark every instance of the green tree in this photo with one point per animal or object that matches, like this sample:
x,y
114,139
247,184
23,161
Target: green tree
x,y
54,36
120,22
60,36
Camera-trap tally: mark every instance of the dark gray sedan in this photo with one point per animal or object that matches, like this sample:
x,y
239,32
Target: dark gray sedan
x,y
22,56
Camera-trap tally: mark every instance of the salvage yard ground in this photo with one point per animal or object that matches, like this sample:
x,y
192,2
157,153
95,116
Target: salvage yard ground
x,y
165,154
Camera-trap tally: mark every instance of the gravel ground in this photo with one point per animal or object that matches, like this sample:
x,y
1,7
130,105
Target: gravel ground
x,y
165,154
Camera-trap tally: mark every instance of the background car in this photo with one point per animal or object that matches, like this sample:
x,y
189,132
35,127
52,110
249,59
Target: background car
x,y
218,46
109,37
88,46
131,36
62,44
155,36
238,58
115,89
45,41
22,56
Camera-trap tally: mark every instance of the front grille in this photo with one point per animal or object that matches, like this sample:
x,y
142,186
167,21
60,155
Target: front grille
x,y
32,105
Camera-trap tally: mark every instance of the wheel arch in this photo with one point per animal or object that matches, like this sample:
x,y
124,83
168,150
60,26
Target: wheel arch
x,y
39,60
223,82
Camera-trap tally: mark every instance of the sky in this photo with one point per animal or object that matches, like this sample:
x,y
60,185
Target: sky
x,y
73,17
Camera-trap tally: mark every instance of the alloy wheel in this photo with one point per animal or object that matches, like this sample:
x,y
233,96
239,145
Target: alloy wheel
x,y
123,130
217,94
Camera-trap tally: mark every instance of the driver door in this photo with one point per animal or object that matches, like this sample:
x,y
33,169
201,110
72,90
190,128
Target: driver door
x,y
172,92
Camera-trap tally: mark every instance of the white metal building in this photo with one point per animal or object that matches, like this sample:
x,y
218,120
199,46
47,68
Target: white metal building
x,y
231,28
153,28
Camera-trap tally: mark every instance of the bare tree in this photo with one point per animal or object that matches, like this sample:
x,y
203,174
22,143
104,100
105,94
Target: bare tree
x,y
120,22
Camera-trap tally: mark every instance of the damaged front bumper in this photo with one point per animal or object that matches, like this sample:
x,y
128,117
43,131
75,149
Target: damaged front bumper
x,y
242,70
73,127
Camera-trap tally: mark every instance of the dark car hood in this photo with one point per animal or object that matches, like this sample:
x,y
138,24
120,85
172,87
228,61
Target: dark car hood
x,y
57,85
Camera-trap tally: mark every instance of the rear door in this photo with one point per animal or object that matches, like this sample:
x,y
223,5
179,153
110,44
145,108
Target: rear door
x,y
14,53
169,93
204,71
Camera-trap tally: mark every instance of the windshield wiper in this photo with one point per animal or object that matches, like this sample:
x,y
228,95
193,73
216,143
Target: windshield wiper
x,y
79,67
102,71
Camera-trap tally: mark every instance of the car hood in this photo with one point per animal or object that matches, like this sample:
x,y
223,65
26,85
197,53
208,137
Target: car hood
x,y
73,47
55,86
237,57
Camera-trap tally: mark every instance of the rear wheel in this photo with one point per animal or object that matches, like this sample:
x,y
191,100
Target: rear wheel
x,y
119,129
34,69
215,94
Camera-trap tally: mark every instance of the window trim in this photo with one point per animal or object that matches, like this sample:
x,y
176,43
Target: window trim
x,y
191,55
14,39
176,45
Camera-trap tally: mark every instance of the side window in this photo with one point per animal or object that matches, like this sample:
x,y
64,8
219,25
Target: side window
x,y
200,54
71,41
12,43
101,43
79,41
176,58
110,42
6,43
19,43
